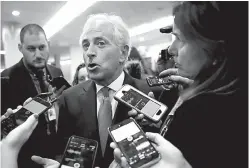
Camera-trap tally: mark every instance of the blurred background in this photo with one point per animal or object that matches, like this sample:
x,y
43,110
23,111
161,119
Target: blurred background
x,y
63,22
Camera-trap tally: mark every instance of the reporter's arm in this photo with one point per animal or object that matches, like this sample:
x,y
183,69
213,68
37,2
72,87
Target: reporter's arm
x,y
11,145
171,157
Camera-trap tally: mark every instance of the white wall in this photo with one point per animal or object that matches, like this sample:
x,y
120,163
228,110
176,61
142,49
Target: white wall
x,y
76,59
10,36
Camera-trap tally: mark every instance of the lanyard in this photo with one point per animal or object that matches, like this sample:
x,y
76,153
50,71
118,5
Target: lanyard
x,y
170,117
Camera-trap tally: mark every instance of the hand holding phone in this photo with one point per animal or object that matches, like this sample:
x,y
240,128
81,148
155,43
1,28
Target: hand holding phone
x,y
58,82
79,153
134,145
35,106
142,103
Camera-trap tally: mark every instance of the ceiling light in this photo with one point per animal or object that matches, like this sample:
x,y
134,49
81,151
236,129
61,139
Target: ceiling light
x,y
16,13
147,27
65,15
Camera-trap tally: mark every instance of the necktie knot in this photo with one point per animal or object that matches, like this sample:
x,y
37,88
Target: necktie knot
x,y
105,91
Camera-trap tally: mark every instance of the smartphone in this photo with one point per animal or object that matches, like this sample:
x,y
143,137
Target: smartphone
x,y
134,145
58,82
157,81
37,105
79,153
142,103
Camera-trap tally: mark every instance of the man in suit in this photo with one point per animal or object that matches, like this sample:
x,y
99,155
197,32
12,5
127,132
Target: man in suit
x,y
29,77
106,44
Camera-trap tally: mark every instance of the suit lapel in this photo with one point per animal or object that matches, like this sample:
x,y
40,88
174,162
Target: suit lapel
x,y
88,106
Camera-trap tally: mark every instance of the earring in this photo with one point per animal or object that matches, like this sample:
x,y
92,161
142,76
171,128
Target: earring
x,y
215,62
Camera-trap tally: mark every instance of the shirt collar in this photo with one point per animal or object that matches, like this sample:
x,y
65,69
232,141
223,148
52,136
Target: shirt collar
x,y
115,85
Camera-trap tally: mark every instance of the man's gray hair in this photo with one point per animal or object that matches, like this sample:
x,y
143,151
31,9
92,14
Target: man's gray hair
x,y
121,33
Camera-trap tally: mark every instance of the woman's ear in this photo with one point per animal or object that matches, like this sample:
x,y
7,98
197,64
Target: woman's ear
x,y
215,62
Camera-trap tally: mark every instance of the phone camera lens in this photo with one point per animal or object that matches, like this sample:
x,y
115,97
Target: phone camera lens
x,y
159,112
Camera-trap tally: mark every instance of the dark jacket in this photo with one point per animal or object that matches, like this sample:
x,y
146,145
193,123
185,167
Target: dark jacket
x,y
16,88
211,130
78,116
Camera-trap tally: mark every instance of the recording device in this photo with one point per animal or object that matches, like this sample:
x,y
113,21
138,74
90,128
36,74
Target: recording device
x,y
142,103
36,106
165,55
45,95
157,81
58,82
79,153
134,145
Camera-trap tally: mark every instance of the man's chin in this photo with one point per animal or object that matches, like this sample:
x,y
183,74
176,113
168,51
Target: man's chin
x,y
39,66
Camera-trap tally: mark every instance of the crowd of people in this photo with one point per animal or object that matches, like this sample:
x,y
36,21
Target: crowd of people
x,y
207,106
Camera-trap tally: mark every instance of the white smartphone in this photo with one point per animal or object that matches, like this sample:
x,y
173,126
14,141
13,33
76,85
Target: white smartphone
x,y
151,108
134,145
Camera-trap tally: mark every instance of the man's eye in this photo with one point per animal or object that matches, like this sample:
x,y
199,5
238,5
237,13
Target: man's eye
x,y
101,43
85,46
31,49
41,47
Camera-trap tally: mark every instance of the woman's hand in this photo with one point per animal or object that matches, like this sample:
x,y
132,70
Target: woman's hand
x,y
13,142
175,77
140,117
46,163
171,157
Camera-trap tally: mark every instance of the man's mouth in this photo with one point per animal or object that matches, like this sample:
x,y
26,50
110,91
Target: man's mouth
x,y
39,60
92,66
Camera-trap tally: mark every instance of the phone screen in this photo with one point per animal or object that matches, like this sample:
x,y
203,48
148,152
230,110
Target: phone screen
x,y
21,115
140,102
80,153
134,145
35,107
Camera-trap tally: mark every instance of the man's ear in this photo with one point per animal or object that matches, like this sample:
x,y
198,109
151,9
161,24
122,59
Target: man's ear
x,y
124,53
20,47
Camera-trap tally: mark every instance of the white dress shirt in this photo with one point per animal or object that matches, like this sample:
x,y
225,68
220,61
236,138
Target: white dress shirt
x,y
114,86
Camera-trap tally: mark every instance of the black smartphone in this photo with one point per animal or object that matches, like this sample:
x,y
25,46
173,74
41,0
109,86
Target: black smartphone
x,y
58,82
45,95
134,145
151,108
79,153
157,81
36,106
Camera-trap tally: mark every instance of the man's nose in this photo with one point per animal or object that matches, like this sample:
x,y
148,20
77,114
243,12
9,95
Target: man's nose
x,y
172,50
38,52
91,52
